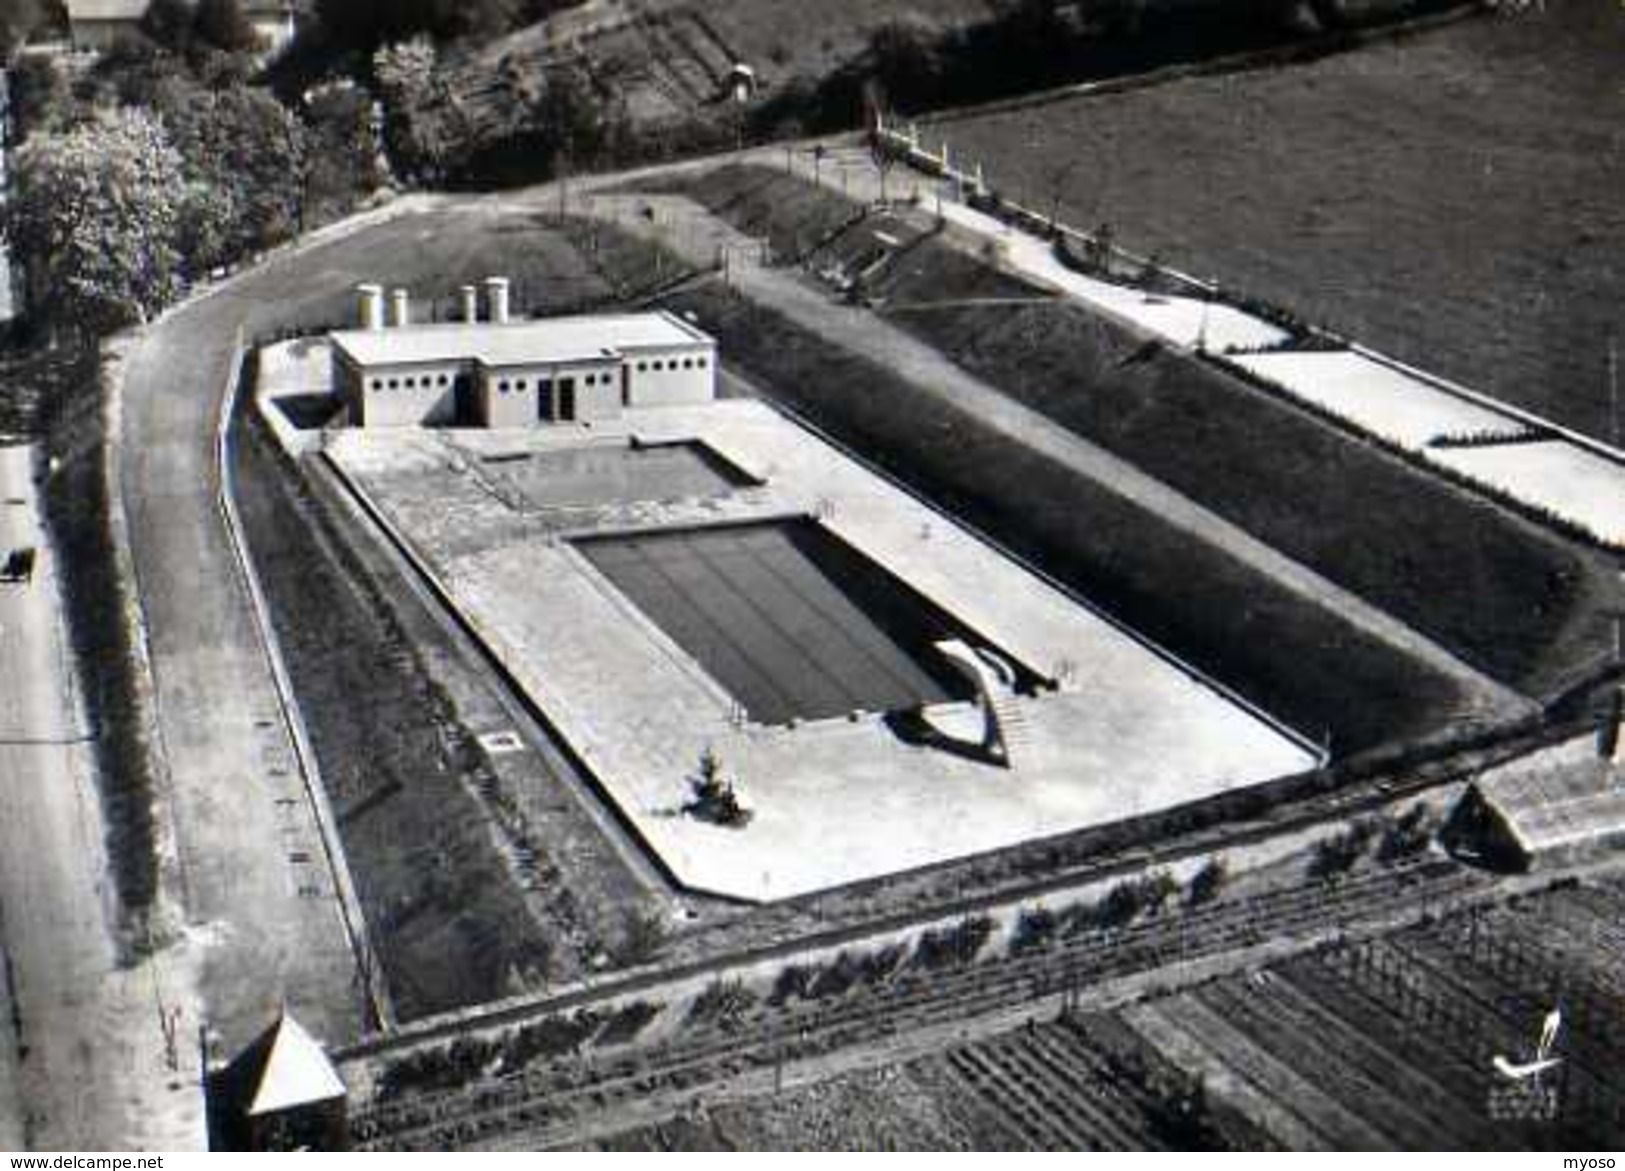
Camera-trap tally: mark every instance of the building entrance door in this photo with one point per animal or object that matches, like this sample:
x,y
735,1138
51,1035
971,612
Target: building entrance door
x,y
567,400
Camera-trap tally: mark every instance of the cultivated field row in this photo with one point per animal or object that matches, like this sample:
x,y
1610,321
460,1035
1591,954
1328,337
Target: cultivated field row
x,y
912,991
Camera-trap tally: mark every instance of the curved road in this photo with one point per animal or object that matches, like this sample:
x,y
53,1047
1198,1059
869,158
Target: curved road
x,y
250,864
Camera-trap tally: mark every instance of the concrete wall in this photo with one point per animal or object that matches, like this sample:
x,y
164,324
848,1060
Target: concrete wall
x,y
409,396
672,376
506,398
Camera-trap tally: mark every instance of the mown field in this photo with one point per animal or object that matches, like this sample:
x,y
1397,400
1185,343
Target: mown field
x,y
1452,199
1512,599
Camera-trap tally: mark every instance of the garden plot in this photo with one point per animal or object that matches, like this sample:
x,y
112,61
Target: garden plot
x,y
1374,397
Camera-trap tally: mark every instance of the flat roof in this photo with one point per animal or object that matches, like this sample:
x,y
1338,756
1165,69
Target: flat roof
x,y
546,340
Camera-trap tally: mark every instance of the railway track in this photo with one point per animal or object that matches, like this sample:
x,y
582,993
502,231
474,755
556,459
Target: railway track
x,y
556,1102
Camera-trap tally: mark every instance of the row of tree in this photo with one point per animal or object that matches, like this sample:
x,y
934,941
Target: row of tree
x,y
145,177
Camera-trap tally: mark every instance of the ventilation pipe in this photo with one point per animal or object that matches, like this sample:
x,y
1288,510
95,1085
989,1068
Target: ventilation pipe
x,y
370,304
471,304
496,296
400,309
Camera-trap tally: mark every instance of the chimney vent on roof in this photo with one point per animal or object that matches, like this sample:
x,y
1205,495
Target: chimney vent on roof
x,y
370,306
470,297
400,309
496,295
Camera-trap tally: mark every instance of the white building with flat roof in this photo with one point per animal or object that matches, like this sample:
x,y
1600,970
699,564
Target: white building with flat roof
x,y
515,373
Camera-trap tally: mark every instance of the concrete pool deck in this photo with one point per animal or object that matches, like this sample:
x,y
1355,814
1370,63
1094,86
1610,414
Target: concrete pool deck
x,y
1126,732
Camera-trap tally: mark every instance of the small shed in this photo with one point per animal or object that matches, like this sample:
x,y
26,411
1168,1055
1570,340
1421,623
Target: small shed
x,y
281,1093
1552,809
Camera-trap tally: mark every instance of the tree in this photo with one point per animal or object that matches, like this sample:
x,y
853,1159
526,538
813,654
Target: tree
x,y
40,96
222,23
344,152
908,59
367,24
18,20
1207,882
95,220
713,798
250,150
407,83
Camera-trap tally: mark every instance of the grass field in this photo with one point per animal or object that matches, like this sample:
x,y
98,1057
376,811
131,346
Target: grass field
x,y
1521,604
1515,601
450,924
1297,661
1452,199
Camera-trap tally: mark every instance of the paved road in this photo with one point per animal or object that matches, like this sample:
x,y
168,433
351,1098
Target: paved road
x,y
94,1073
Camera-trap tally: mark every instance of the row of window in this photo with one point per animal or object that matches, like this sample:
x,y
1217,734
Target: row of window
x,y
427,382
430,381
545,385
657,364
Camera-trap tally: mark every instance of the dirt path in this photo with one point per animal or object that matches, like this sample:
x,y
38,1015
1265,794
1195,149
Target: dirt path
x,y
700,238
93,1070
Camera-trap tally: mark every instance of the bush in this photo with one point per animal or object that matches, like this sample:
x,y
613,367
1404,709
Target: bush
x,y
1035,928
1405,836
953,946
722,1001
1336,855
553,1037
641,938
1207,882
793,982
627,1022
